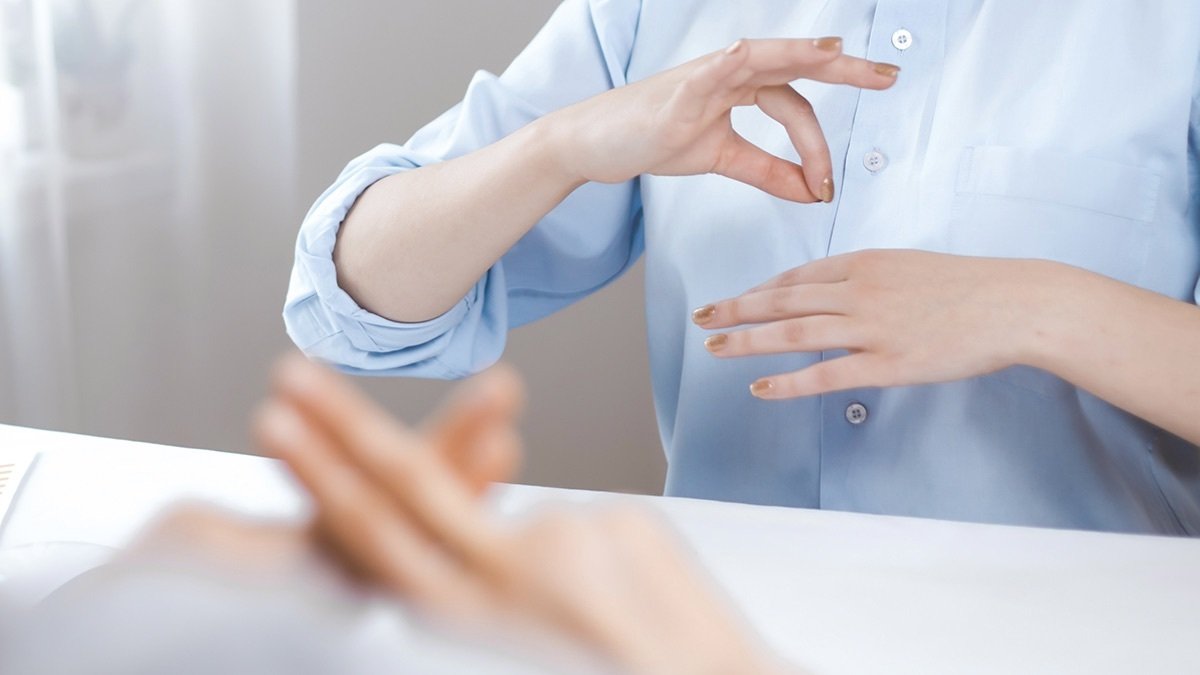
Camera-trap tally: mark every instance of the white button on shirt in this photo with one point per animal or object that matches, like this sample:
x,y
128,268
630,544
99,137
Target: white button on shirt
x,y
875,161
902,39
1073,147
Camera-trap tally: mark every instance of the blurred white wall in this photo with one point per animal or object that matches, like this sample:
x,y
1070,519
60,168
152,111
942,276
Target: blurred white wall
x,y
177,282
148,191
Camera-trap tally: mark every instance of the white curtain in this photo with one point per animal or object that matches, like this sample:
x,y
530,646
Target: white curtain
x,y
146,198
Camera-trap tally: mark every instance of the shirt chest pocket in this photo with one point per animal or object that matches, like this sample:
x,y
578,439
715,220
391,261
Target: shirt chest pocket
x,y
1021,203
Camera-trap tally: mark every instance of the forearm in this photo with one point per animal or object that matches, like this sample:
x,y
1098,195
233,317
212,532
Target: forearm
x,y
1135,349
415,242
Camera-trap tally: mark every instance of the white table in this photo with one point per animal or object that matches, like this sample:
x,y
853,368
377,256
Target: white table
x,y
837,592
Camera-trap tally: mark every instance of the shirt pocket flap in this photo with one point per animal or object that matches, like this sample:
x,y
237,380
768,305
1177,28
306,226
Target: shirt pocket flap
x,y
1079,181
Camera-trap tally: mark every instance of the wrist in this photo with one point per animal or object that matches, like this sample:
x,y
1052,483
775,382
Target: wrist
x,y
1046,302
551,142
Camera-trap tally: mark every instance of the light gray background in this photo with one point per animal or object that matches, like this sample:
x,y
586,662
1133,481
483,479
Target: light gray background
x,y
177,258
373,71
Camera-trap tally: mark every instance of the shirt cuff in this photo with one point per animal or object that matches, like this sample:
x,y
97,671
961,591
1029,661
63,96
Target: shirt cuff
x,y
365,330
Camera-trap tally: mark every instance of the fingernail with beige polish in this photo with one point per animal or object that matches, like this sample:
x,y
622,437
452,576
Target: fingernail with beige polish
x,y
717,342
735,47
827,190
704,314
761,388
887,69
828,44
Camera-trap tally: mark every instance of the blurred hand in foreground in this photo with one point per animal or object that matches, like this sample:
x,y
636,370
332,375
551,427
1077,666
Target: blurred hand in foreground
x,y
399,507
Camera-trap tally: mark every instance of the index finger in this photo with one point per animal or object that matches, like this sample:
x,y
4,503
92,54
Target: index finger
x,y
820,271
780,61
784,105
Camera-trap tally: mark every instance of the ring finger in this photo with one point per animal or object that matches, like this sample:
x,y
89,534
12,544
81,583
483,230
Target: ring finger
x,y
806,334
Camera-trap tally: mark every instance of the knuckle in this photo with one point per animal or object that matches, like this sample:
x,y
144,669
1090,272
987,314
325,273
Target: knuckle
x,y
744,341
801,107
861,260
837,72
872,259
689,87
823,378
694,81
778,302
732,312
794,332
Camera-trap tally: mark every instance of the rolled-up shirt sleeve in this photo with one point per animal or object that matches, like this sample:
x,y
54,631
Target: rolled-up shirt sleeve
x,y
587,241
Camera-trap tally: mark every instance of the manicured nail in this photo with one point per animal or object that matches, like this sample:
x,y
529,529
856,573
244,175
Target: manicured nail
x,y
887,69
827,190
716,343
704,314
735,47
761,388
828,44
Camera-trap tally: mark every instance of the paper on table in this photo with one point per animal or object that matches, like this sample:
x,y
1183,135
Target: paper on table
x,y
14,464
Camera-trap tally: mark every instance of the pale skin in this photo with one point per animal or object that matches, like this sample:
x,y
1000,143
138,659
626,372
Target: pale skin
x,y
416,242
913,317
399,508
413,246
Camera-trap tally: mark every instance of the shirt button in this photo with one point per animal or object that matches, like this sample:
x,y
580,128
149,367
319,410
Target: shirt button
x,y
856,413
902,39
875,161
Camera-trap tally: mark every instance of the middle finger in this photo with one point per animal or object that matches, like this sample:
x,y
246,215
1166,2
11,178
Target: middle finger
x,y
786,106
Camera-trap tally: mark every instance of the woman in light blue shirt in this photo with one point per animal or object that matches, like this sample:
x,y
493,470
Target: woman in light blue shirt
x,y
976,300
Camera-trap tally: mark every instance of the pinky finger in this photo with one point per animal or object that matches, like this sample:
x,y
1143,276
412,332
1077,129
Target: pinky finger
x,y
846,372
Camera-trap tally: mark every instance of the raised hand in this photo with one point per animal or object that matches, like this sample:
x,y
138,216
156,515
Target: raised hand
x,y
678,122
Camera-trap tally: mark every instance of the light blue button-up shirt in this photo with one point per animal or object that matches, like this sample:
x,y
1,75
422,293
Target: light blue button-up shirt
x,y
1065,130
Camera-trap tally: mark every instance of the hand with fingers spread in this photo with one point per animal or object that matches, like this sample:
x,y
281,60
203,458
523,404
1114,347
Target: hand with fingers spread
x,y
677,123
905,317
399,507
